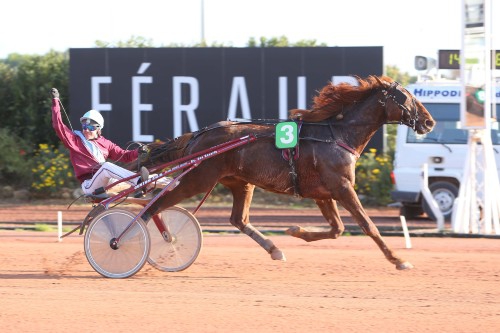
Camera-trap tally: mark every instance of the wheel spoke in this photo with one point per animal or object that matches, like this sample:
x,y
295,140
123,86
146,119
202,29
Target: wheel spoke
x,y
133,248
182,251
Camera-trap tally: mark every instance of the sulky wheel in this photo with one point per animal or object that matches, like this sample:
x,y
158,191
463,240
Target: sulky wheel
x,y
122,259
179,245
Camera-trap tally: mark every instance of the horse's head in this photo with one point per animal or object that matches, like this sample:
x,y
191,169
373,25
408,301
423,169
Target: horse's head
x,y
403,108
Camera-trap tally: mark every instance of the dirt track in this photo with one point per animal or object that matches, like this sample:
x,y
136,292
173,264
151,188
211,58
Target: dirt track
x,y
342,285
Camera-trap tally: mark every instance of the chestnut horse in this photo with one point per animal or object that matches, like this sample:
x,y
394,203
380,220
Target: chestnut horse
x,y
333,134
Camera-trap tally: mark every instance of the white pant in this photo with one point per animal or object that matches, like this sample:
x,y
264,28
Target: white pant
x,y
107,173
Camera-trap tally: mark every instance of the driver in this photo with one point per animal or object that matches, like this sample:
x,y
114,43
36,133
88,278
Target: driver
x,y
89,150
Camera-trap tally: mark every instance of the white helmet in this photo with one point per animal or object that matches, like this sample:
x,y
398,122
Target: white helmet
x,y
95,116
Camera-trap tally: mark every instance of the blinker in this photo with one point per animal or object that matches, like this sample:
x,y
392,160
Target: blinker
x,y
399,96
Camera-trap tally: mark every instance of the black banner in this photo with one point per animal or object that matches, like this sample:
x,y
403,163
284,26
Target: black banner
x,y
147,94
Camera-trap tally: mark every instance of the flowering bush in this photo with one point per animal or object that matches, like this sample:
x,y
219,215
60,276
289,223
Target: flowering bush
x,y
51,170
373,178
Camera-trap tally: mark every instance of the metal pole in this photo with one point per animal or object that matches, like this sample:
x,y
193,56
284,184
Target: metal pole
x,y
424,187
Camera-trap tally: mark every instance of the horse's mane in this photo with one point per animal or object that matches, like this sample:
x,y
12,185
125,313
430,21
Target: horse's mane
x,y
162,152
332,99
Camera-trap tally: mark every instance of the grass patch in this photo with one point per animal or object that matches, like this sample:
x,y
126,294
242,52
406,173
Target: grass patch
x,y
43,227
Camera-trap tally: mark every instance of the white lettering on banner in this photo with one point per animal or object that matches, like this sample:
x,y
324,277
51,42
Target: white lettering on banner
x,y
239,89
144,67
95,91
137,107
189,108
301,92
283,95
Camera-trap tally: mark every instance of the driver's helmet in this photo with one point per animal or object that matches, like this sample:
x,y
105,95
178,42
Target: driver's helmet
x,y
93,116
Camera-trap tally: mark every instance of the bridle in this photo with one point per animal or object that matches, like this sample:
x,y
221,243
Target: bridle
x,y
395,93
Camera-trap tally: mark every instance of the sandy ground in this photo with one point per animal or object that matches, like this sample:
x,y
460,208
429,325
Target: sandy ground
x,y
342,285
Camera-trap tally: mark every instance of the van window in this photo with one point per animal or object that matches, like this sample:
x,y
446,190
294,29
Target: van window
x,y
445,111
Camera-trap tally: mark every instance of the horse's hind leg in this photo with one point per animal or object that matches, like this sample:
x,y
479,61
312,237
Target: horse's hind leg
x,y
330,212
240,216
351,202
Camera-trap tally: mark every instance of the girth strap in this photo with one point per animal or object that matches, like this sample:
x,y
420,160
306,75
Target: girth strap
x,y
291,155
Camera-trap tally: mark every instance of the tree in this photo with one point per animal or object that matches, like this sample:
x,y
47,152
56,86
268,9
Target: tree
x,y
25,82
281,42
138,42
395,73
133,41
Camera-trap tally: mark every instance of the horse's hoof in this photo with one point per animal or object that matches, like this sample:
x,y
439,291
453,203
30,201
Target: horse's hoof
x,y
277,255
404,265
293,231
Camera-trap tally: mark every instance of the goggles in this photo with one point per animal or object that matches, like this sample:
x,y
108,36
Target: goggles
x,y
89,127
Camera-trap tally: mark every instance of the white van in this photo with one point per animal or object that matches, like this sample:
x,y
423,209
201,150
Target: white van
x,y
444,150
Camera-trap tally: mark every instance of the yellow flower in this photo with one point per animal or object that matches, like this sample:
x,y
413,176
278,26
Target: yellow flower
x,y
376,171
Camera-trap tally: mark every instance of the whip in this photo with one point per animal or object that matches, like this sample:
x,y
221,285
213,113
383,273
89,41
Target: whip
x,y
64,110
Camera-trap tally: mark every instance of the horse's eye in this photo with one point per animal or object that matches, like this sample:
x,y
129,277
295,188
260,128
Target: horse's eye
x,y
399,96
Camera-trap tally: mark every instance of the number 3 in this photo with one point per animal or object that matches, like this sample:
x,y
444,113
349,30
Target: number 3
x,y
289,134
286,135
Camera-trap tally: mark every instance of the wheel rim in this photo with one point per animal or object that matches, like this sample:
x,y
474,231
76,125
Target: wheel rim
x,y
133,248
178,252
444,199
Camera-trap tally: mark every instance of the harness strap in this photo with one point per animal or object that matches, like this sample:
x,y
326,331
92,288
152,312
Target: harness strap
x,y
349,149
342,144
293,173
288,153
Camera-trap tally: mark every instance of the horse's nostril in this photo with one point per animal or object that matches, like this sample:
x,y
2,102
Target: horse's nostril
x,y
429,123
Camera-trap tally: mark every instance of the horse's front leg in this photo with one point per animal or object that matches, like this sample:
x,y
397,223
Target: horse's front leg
x,y
350,201
330,212
240,216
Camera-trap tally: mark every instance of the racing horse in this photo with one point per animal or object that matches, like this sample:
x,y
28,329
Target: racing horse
x,y
333,134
